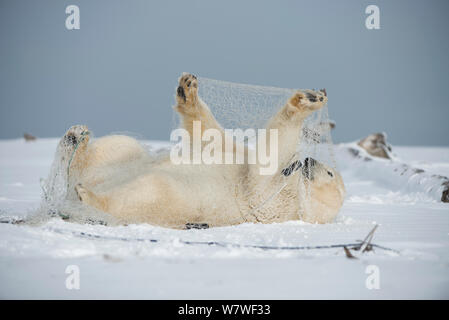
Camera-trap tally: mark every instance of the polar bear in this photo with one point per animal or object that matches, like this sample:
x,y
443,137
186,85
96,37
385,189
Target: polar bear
x,y
116,175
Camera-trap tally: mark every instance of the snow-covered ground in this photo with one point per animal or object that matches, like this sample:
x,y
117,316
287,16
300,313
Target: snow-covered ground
x,y
119,264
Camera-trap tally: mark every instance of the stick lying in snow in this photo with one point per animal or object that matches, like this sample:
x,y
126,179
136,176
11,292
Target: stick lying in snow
x,y
348,253
364,246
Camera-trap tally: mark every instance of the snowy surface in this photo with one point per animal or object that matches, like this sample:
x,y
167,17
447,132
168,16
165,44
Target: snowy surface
x,y
33,259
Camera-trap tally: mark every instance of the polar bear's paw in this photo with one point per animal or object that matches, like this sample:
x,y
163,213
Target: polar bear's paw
x,y
88,197
187,93
83,194
75,136
196,226
308,100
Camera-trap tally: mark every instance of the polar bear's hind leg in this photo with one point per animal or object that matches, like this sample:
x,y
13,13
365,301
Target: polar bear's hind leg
x,y
88,197
70,156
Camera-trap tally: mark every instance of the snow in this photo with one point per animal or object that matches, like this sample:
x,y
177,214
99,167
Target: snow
x,y
120,264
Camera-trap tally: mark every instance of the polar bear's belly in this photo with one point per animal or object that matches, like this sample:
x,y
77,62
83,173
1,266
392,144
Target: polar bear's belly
x,y
177,195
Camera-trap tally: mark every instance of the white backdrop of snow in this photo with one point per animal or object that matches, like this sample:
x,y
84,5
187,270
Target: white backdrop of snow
x,y
33,259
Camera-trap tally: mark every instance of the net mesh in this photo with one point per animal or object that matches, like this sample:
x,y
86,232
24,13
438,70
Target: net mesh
x,y
59,200
244,106
235,106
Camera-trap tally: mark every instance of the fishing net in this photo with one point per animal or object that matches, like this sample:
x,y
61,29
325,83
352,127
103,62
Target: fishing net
x,y
235,106
244,106
59,199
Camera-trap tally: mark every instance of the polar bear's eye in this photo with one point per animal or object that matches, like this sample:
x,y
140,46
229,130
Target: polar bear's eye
x,y
330,174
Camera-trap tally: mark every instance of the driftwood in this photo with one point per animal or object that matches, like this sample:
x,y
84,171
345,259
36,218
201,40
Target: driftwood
x,y
29,137
376,145
376,148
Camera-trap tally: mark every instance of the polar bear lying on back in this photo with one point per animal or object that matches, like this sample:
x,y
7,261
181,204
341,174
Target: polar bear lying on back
x,y
117,176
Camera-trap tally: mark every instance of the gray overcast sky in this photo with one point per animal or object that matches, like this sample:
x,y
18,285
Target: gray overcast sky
x,y
119,71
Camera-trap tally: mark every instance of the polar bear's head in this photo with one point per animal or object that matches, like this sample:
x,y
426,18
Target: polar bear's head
x,y
327,191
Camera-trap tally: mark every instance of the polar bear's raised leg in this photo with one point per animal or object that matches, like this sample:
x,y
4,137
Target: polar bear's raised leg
x,y
69,157
74,140
289,120
72,149
274,196
81,160
191,107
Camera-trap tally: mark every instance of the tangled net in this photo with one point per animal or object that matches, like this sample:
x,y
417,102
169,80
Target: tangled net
x,y
235,106
244,106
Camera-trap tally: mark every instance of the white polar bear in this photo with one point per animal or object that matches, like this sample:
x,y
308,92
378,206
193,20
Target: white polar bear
x,y
116,175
